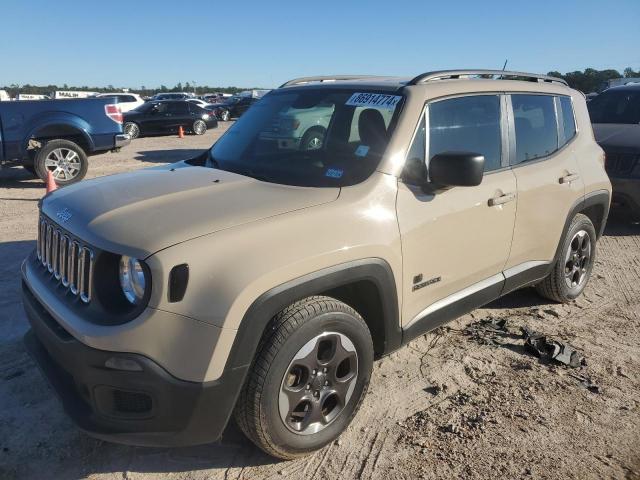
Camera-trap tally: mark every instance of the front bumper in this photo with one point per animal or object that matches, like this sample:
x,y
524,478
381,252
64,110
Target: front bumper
x,y
626,194
122,140
148,407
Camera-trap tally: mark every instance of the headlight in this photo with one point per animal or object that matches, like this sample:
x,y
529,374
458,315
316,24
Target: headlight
x,y
205,116
132,279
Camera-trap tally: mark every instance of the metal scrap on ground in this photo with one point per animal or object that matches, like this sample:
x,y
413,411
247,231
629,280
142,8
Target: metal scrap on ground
x,y
549,349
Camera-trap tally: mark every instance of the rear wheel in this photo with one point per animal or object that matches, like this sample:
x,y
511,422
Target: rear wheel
x,y
225,115
309,377
199,127
65,159
572,270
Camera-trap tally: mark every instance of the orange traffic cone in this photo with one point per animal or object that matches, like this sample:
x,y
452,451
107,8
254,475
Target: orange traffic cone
x,y
51,183
180,132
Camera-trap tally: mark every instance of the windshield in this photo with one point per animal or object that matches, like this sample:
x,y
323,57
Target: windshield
x,y
317,137
616,106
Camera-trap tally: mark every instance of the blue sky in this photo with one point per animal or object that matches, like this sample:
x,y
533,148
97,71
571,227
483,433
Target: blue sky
x,y
248,43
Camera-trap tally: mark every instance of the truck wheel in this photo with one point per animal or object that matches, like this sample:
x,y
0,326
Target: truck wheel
x,y
132,129
573,268
199,127
64,159
312,139
308,379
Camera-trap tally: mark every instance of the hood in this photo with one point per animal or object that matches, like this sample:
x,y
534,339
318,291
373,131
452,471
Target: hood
x,y
617,136
142,212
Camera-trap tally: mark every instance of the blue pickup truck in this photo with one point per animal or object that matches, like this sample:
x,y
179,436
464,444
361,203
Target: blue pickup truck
x,y
59,135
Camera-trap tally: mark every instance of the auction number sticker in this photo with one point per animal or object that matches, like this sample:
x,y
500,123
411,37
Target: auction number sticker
x,y
379,100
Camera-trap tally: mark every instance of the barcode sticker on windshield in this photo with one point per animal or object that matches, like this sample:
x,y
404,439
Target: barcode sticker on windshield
x,y
379,100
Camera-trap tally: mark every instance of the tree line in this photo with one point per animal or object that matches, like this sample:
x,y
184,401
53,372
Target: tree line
x,y
15,89
587,81
591,79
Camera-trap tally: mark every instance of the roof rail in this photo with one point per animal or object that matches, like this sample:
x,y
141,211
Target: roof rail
x,y
500,74
326,78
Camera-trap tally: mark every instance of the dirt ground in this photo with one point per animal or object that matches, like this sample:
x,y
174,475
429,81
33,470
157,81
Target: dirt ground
x,y
462,402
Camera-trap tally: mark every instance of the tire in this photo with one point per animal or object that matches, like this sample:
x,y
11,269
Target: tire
x,y
199,127
132,129
314,331
64,158
574,265
225,116
313,139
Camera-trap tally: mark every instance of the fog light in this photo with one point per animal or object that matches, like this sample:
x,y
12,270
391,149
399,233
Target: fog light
x,y
120,363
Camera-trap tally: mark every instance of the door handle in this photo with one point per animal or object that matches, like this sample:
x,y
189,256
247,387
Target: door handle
x,y
502,199
572,177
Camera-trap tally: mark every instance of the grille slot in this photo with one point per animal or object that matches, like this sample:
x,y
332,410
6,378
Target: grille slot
x,y
69,261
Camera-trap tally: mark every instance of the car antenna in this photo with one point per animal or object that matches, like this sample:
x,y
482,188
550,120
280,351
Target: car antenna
x,y
504,66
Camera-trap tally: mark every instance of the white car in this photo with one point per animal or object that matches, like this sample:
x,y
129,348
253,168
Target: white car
x,y
126,101
200,103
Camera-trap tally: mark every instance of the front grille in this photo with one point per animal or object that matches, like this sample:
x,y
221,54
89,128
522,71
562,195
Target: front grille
x,y
66,259
621,163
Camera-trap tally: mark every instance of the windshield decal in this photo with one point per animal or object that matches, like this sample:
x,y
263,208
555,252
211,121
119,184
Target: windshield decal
x,y
362,151
334,173
379,100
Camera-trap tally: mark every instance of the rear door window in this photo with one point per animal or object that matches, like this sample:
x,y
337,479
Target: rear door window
x,y
536,127
469,124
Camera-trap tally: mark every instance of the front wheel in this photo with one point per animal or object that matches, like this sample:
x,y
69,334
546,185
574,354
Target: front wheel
x,y
64,159
573,267
132,129
308,379
313,139
199,127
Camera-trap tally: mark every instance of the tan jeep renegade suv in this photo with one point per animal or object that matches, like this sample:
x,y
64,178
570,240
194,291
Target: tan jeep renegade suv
x,y
262,278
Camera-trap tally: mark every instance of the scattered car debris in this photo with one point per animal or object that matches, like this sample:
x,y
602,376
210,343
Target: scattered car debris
x,y
487,331
588,383
549,349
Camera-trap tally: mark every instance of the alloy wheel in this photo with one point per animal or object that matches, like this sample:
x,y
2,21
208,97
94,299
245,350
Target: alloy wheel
x,y
132,130
199,127
318,383
577,259
63,163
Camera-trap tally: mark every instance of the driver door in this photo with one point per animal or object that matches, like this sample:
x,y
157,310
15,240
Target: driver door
x,y
456,242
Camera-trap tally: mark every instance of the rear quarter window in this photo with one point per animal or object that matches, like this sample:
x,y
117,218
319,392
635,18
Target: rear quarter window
x,y
568,119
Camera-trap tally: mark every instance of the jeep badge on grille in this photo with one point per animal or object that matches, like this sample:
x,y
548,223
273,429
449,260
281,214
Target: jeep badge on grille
x,y
64,215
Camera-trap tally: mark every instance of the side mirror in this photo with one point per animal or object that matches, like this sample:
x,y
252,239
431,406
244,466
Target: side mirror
x,y
456,169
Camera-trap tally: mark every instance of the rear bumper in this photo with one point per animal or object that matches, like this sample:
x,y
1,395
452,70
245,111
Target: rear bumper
x,y
122,140
147,407
626,194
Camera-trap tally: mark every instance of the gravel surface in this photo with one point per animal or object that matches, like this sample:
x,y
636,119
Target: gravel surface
x,y
465,401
